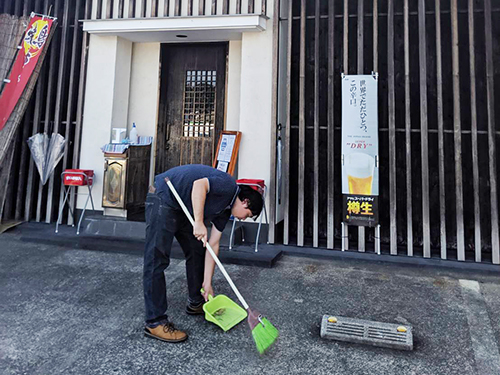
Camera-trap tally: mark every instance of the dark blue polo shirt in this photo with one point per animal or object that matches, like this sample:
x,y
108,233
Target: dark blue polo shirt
x,y
221,196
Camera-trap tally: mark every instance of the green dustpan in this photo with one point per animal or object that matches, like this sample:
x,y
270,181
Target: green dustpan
x,y
223,311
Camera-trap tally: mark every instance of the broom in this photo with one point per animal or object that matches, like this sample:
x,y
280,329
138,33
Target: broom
x,y
263,332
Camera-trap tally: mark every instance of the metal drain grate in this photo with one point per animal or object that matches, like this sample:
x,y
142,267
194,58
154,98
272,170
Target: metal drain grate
x,y
367,332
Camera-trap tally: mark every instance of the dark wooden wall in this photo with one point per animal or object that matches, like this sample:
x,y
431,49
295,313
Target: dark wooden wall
x,y
439,122
55,106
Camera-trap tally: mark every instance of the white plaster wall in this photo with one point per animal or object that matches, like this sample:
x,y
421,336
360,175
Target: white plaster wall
x,y
121,83
106,103
256,103
233,86
144,92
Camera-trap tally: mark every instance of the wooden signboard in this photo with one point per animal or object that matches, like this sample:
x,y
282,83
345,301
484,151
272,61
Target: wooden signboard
x,y
227,151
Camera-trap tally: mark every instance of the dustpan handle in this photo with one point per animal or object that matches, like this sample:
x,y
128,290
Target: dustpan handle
x,y
209,248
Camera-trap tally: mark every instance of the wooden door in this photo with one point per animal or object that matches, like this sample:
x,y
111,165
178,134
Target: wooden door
x,y
192,93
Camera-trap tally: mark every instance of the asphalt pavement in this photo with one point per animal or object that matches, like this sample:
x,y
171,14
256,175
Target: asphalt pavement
x,y
80,311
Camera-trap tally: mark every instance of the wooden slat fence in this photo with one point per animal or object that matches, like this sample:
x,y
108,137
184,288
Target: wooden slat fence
x,y
55,106
438,128
112,9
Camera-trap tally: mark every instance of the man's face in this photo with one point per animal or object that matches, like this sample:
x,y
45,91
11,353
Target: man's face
x,y
240,209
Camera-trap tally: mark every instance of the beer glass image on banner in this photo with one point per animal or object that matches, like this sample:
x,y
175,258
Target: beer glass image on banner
x,y
359,169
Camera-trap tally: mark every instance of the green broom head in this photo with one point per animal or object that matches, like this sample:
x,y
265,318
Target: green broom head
x,y
263,332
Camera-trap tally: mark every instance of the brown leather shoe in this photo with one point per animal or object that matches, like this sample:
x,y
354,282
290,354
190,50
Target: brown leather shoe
x,y
166,332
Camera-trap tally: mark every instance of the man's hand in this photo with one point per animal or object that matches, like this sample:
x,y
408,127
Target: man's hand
x,y
208,290
200,232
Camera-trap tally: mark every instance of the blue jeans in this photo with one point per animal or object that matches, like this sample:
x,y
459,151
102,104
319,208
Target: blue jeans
x,y
163,223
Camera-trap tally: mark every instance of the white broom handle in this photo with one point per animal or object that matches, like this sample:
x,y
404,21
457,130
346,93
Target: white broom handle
x,y
212,253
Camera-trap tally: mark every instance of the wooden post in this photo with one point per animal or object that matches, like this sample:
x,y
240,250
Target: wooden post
x,y
48,105
79,105
139,10
375,35
475,159
457,134
302,125
409,209
345,49
392,128
361,229
286,154
490,88
94,9
346,36
116,8
316,126
36,125
440,122
272,183
424,134
149,8
57,113
69,123
331,126
105,10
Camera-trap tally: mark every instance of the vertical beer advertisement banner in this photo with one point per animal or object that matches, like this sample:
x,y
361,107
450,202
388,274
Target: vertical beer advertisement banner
x,y
360,170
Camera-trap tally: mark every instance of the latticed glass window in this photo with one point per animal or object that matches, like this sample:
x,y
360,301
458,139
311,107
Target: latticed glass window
x,y
199,103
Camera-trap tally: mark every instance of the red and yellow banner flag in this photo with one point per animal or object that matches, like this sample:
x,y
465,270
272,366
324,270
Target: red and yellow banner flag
x,y
34,40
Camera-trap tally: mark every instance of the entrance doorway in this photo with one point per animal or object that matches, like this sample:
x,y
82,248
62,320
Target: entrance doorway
x,y
192,95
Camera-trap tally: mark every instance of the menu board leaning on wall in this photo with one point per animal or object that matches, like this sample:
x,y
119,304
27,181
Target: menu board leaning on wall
x,y
227,151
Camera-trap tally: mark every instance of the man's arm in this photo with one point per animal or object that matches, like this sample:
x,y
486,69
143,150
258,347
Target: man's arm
x,y
215,237
198,196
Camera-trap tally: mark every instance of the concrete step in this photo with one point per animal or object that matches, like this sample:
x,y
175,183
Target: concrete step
x,y
45,233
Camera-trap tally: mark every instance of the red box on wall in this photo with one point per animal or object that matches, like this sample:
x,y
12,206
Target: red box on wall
x,y
78,177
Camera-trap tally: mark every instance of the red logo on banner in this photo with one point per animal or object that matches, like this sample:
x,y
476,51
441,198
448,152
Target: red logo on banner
x,y
34,40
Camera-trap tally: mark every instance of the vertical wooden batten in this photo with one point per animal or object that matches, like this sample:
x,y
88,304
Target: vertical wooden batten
x,y
440,125
331,127
424,133
457,127
375,36
58,110
302,125
475,159
35,127
162,8
94,9
345,68
316,126
490,88
409,205
69,120
80,102
286,154
346,37
48,105
360,42
392,127
274,125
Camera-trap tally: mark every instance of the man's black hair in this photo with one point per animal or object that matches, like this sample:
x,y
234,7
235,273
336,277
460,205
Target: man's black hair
x,y
255,202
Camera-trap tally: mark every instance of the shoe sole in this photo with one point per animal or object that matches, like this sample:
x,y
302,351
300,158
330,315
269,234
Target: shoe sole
x,y
150,335
195,313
